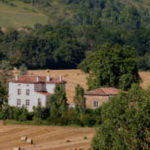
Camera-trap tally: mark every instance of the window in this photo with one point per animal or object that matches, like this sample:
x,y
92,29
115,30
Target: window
x,y
95,103
19,91
27,102
27,92
39,101
18,102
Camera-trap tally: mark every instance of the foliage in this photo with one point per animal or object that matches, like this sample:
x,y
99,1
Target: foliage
x,y
3,95
5,72
79,99
41,113
112,66
76,27
58,102
23,69
125,122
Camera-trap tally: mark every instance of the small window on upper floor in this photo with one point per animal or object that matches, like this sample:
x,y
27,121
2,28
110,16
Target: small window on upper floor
x,y
27,92
18,102
95,104
27,102
19,91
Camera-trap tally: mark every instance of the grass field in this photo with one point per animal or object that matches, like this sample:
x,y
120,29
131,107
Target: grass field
x,y
45,138
17,14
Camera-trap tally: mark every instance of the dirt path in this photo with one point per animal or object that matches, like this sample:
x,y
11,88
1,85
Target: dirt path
x,y
45,137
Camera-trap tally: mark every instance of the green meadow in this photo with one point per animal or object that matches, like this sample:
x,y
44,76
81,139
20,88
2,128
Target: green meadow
x,y
17,14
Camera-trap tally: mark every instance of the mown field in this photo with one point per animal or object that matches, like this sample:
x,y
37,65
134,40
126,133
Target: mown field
x,y
45,137
17,14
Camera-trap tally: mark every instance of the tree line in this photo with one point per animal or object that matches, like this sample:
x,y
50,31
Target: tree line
x,y
64,44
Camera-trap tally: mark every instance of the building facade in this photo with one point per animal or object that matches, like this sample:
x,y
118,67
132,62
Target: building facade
x,y
95,98
30,91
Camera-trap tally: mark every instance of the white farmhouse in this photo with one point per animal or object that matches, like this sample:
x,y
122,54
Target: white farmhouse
x,y
29,90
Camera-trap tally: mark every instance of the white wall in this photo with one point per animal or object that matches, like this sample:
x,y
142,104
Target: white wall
x,y
50,88
33,96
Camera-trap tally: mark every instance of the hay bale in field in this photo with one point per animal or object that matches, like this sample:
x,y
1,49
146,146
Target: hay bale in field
x,y
29,141
16,148
68,141
47,70
23,138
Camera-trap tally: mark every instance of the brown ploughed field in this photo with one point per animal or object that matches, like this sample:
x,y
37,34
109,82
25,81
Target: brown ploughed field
x,y
45,138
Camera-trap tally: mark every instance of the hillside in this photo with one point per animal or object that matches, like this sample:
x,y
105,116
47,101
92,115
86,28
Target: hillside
x,y
45,138
17,14
71,29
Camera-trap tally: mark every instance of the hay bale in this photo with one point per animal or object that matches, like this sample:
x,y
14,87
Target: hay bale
x,y
16,148
68,141
47,70
29,141
23,138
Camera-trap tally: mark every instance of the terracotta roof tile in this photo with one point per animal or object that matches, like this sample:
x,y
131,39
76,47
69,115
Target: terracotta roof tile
x,y
45,93
36,79
103,91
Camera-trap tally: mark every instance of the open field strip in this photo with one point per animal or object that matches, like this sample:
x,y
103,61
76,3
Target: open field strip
x,y
45,137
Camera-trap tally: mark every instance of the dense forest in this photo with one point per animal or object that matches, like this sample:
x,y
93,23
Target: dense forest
x,y
82,26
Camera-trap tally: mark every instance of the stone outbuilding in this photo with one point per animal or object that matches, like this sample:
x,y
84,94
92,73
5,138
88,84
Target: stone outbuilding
x,y
95,98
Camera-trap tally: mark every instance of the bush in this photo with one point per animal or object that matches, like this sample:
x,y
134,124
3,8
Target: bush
x,y
125,122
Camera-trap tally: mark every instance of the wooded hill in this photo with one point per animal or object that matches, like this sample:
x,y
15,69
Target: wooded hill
x,y
73,26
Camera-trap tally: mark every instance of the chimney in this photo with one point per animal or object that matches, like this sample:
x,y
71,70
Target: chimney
x,y
48,78
37,79
60,78
16,78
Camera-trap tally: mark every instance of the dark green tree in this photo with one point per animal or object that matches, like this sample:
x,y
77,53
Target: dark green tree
x,y
3,95
58,102
125,122
5,72
79,99
112,66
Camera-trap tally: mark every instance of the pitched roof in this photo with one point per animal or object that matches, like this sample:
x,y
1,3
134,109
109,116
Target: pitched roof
x,y
36,79
45,93
103,91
